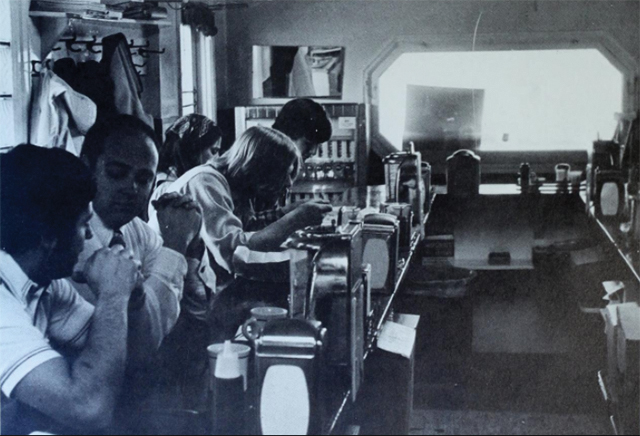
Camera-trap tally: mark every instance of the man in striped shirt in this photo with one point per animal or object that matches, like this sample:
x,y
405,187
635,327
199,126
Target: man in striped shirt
x,y
62,360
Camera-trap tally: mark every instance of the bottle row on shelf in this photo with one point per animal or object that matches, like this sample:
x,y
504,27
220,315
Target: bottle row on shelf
x,y
337,150
330,171
342,198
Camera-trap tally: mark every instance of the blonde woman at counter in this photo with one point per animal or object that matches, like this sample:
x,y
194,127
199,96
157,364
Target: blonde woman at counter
x,y
307,124
259,166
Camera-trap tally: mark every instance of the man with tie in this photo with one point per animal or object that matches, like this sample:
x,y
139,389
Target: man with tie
x,y
62,360
121,154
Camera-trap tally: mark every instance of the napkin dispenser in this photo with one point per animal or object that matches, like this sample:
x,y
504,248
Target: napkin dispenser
x,y
288,365
463,174
381,241
404,214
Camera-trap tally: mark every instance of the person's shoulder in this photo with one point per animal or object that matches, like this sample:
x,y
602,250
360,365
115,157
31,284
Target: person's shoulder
x,y
62,290
138,226
6,296
141,233
204,174
205,170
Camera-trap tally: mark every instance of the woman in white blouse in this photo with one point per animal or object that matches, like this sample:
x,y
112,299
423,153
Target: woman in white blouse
x,y
260,165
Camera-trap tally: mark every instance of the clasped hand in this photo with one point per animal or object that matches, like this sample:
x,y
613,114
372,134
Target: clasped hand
x,y
180,220
113,272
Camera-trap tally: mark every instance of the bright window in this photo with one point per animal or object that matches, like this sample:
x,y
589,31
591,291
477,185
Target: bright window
x,y
187,71
197,69
6,75
524,100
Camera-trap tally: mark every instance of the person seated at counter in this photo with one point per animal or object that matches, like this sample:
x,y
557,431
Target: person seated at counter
x,y
122,157
307,124
259,166
62,361
191,141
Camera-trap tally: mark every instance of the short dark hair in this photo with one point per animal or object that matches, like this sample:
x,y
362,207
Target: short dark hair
x,y
43,192
304,118
94,141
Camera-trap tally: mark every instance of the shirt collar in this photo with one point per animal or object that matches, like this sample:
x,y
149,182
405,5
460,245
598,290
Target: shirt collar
x,y
16,280
100,230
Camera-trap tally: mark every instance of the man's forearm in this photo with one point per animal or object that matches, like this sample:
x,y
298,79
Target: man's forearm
x,y
147,329
165,271
98,372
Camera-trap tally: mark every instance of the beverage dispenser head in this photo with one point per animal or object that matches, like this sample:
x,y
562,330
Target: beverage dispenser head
x,y
404,181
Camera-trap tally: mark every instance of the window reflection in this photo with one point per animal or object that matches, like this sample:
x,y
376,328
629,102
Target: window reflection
x,y
290,71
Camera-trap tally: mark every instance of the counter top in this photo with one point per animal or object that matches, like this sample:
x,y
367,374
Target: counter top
x,y
514,189
341,400
625,247
337,400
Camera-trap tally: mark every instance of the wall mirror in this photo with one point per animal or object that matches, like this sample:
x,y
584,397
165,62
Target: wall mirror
x,y
297,71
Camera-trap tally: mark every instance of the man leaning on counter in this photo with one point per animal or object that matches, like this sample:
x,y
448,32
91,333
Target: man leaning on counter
x,y
63,360
122,157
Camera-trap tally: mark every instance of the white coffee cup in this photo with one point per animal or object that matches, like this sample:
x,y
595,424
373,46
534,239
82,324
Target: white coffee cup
x,y
260,316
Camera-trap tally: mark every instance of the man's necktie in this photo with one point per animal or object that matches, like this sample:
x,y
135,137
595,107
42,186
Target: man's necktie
x,y
118,239
138,296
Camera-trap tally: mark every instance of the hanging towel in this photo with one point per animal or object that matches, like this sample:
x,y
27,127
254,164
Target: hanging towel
x,y
116,58
60,116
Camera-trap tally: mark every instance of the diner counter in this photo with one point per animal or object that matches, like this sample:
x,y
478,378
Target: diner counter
x,y
339,400
338,405
624,244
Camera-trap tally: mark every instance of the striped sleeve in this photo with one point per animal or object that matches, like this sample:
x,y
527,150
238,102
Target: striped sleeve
x,y
70,316
22,346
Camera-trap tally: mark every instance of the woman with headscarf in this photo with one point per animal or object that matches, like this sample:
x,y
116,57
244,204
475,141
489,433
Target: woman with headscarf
x,y
191,141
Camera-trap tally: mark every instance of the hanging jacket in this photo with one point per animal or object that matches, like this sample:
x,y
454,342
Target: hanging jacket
x,y
116,59
60,116
89,78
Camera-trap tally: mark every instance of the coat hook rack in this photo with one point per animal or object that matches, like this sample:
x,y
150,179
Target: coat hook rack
x,y
34,64
145,53
132,45
70,42
89,45
92,44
